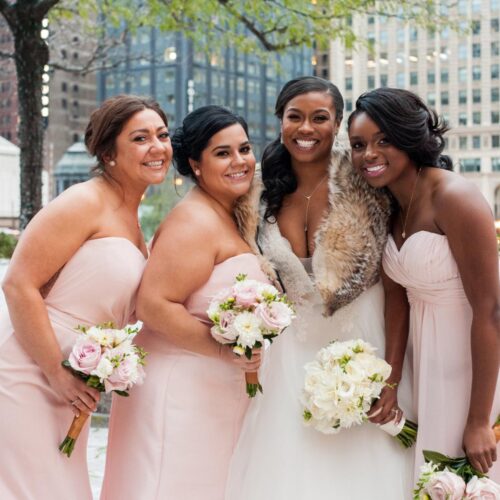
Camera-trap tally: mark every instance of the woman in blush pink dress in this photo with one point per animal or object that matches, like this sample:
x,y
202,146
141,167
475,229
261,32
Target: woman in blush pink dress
x,y
441,274
174,437
79,262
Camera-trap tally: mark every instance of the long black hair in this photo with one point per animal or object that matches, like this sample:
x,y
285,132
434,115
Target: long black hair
x,y
198,127
277,174
407,123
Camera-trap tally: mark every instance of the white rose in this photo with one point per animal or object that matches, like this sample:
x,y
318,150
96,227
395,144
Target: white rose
x,y
104,369
445,485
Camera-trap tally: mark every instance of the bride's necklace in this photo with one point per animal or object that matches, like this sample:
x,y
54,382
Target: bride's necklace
x,y
403,222
308,198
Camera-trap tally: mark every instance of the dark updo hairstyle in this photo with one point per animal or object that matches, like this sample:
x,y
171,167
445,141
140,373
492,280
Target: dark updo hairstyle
x,y
106,123
277,174
408,124
192,137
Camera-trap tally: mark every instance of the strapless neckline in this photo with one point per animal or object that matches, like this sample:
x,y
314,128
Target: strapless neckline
x,y
119,238
413,236
234,257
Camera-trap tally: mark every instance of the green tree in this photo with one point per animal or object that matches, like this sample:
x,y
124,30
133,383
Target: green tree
x,y
273,25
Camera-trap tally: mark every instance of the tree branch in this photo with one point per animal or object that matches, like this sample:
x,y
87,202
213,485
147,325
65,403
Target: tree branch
x,y
6,55
43,6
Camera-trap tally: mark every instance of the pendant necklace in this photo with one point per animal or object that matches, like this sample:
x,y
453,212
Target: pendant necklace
x,y
403,222
308,198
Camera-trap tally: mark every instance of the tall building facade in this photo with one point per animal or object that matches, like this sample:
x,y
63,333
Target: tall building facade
x,y
8,87
69,98
182,77
456,72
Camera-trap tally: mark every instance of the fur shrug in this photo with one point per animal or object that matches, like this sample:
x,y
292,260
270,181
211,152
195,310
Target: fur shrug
x,y
348,244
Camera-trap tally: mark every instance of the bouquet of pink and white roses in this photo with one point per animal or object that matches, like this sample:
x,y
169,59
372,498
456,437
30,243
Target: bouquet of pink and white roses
x,y
245,315
442,477
106,359
341,385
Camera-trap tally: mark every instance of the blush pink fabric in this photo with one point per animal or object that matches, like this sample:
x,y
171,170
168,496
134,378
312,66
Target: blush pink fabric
x,y
96,285
174,436
440,323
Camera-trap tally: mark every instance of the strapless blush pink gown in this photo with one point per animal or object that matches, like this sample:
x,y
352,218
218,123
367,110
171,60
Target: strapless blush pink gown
x,y
173,438
440,323
96,285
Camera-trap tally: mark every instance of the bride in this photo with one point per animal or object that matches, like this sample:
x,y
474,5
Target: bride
x,y
324,230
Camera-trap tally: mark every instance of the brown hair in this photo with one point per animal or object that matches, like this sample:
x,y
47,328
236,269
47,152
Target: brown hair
x,y
107,122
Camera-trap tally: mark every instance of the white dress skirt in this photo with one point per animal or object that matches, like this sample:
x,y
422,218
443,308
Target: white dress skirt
x,y
279,458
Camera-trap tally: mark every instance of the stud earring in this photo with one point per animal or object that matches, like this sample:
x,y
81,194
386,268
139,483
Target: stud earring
x,y
197,172
112,163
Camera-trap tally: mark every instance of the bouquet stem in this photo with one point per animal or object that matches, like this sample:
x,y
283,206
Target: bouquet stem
x,y
253,384
76,427
405,432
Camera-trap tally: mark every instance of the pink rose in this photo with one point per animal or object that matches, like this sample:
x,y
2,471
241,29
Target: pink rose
x,y
246,293
445,485
126,374
482,489
274,316
85,356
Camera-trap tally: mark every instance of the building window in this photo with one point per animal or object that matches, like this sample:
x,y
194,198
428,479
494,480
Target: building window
x,y
470,165
462,142
495,117
76,137
413,78
64,103
495,97
462,118
476,95
75,88
476,73
444,76
462,96
495,25
431,77
476,142
383,80
495,48
495,141
476,50
476,117
495,164
462,51
476,27
348,83
400,80
495,4
445,98
462,75
348,105
324,73
371,81
495,71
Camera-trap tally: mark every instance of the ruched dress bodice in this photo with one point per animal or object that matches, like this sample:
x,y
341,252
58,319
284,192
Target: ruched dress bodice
x,y
439,341
98,284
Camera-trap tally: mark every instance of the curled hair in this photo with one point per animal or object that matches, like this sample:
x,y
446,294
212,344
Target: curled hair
x,y
407,123
277,174
193,136
106,123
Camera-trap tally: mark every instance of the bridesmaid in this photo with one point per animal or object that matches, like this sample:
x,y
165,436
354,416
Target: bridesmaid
x,y
182,424
443,250
79,262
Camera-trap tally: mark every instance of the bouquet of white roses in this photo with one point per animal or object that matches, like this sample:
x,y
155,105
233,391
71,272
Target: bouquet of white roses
x,y
246,314
453,479
107,360
341,385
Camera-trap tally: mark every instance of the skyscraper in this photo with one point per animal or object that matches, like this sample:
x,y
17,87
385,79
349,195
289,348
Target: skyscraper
x,y
455,72
182,77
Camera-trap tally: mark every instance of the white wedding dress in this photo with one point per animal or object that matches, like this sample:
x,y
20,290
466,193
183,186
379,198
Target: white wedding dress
x,y
278,457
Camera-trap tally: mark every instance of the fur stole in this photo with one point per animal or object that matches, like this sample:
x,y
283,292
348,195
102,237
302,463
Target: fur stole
x,y
349,241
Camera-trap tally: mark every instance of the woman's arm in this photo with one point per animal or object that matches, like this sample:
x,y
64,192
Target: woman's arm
x,y
182,259
396,312
465,218
49,241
